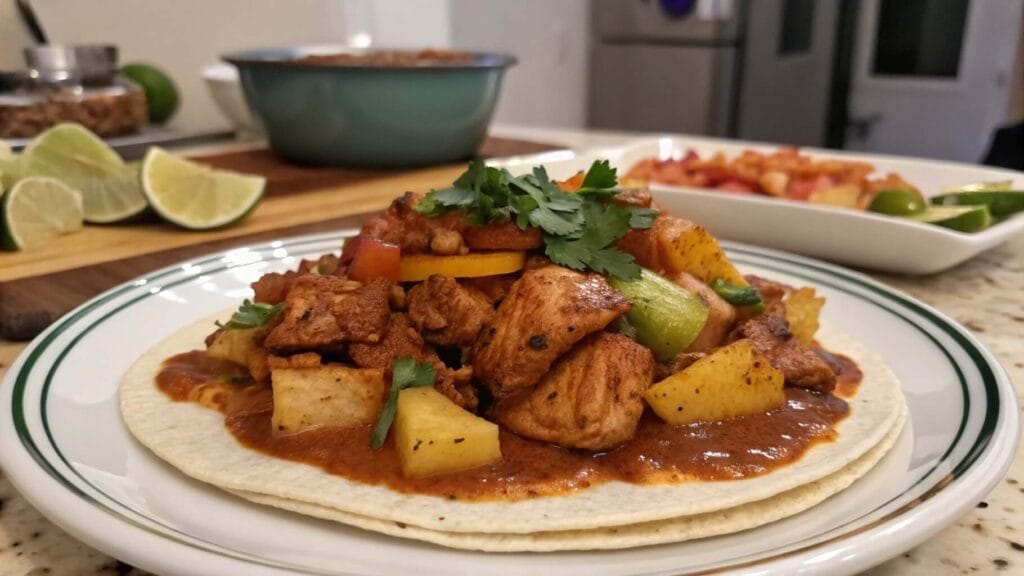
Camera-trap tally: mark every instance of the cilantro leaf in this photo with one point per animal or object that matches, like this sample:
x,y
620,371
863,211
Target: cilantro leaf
x,y
614,262
580,229
600,176
406,372
252,315
642,218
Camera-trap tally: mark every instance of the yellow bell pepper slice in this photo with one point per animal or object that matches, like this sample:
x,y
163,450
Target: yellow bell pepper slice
x,y
418,267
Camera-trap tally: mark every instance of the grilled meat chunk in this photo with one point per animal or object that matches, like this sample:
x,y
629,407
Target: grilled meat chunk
x,y
446,312
272,288
635,197
504,235
681,362
772,292
321,313
591,399
546,312
770,335
494,287
721,314
401,224
401,339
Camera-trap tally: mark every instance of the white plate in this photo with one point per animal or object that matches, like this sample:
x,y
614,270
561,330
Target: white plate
x,y
850,237
63,445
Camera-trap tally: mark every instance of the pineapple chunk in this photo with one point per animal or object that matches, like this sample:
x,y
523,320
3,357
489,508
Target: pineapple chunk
x,y
732,381
235,345
308,394
802,309
435,436
687,247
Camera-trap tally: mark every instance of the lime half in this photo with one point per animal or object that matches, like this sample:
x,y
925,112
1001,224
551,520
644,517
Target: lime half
x,y
195,196
37,209
962,218
70,153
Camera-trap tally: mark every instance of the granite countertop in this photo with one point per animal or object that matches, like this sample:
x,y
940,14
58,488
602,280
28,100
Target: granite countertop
x,y
985,294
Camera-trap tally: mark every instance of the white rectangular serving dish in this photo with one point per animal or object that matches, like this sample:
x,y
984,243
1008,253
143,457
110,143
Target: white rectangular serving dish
x,y
851,237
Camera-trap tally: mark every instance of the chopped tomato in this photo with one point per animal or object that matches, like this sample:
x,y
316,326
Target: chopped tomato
x,y
803,188
736,186
372,258
572,184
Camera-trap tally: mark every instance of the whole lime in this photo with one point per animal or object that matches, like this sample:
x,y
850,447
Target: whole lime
x,y
161,94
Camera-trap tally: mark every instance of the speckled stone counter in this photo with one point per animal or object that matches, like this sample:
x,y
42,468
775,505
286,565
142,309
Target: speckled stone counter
x,y
985,294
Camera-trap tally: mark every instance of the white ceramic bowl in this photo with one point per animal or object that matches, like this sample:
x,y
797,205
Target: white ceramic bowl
x,y
222,81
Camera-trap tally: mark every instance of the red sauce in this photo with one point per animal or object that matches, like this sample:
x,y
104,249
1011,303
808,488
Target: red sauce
x,y
739,448
848,374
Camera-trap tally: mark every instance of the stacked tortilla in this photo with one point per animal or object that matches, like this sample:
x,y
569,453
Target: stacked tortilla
x,y
611,515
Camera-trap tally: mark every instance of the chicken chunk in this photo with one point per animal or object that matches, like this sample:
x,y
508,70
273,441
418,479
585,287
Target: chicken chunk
x,y
448,313
721,314
591,399
321,313
401,339
547,311
802,368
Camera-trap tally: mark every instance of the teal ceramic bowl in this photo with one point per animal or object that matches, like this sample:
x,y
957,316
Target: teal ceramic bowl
x,y
357,115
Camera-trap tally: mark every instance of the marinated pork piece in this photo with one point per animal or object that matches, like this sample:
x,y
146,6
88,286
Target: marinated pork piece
x,y
592,399
321,313
769,332
401,339
448,313
494,287
401,224
635,197
504,235
681,362
272,288
772,292
547,311
721,314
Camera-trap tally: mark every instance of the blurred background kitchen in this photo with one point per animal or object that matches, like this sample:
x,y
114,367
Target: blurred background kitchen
x,y
933,78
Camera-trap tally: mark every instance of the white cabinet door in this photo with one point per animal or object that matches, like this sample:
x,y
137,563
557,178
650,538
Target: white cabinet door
x,y
932,77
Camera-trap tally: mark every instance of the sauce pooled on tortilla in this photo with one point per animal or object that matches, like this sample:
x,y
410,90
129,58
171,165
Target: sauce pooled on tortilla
x,y
731,449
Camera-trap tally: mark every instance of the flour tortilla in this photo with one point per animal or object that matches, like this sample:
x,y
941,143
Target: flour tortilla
x,y
743,517
195,440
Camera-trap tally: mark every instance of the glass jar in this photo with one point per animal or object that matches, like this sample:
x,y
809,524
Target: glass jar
x,y
72,84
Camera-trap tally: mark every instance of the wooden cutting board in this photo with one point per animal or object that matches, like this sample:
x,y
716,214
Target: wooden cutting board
x,y
37,286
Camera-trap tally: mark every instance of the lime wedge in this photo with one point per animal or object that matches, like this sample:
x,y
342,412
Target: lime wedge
x,y
897,202
195,196
70,153
962,218
37,209
10,166
1000,203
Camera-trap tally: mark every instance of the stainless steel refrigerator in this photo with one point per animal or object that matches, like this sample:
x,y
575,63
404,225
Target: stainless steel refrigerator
x,y
758,70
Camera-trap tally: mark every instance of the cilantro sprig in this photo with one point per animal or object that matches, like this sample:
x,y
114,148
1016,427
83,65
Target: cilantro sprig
x,y
251,315
406,372
580,229
738,295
